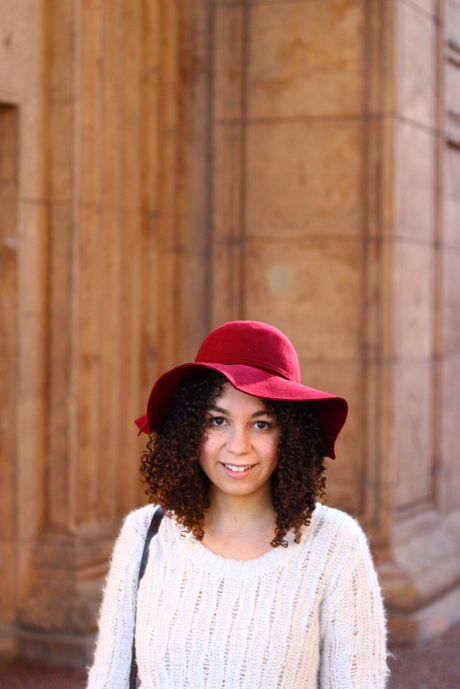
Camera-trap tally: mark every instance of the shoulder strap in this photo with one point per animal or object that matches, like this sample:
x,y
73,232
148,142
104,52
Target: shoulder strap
x,y
152,531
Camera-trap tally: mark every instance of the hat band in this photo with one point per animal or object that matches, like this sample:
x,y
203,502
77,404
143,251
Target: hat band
x,y
276,370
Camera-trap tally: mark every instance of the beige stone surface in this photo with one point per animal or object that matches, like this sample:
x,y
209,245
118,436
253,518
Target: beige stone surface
x,y
452,19
452,88
346,474
427,5
228,65
183,164
431,621
8,578
20,46
291,289
413,300
451,287
21,84
313,66
9,341
451,213
227,246
413,454
417,64
452,174
450,414
414,182
298,188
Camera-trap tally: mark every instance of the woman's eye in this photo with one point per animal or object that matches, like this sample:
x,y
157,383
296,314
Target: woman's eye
x,y
262,425
217,421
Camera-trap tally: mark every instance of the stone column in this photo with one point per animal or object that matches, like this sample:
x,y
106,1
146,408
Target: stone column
x,y
421,577
127,245
336,218
23,275
9,393
185,163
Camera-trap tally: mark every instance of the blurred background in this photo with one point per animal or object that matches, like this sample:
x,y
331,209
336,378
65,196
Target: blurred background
x,y
168,165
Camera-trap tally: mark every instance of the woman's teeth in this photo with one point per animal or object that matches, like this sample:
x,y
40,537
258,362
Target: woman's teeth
x,y
233,468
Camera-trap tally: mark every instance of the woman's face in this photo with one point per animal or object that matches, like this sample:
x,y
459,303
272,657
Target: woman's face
x,y
240,447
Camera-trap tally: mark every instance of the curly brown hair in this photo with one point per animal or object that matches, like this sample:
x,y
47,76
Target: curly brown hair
x,y
171,468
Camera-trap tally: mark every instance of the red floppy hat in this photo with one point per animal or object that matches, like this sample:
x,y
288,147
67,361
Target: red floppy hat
x,y
259,360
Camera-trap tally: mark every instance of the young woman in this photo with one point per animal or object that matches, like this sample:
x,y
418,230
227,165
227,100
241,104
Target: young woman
x,y
250,582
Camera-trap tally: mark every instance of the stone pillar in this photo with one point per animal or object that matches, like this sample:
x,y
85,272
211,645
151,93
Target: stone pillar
x,y
126,286
336,218
421,577
185,163
23,210
9,392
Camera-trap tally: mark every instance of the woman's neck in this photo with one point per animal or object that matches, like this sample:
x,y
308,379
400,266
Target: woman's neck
x,y
239,528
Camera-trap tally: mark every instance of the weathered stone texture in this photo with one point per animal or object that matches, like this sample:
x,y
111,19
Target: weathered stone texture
x,y
168,166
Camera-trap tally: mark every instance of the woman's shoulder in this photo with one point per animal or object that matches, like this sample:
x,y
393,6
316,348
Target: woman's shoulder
x,y
138,521
338,528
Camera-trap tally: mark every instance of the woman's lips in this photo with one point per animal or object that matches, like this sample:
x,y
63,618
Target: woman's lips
x,y
238,474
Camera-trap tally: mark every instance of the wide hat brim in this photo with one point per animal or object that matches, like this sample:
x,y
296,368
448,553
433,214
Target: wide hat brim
x,y
330,410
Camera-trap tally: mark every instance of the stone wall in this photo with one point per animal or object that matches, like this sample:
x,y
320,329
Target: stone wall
x,y
168,166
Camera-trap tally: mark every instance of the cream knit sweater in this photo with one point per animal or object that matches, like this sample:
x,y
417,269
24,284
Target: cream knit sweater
x,y
309,616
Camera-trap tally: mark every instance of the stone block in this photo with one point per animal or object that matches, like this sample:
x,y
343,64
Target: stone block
x,y
427,5
451,302
449,415
226,242
413,300
416,81
452,174
30,470
32,180
21,47
452,88
451,208
414,188
425,558
8,578
452,20
63,650
9,158
413,449
228,66
408,629
306,59
60,603
304,178
8,458
345,474
311,291
8,645
32,246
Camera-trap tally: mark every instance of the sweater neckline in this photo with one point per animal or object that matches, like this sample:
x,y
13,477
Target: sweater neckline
x,y
206,560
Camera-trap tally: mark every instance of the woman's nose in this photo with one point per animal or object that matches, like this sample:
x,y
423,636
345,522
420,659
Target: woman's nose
x,y
238,442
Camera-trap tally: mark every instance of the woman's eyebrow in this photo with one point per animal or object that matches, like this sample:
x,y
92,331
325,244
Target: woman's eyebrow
x,y
212,407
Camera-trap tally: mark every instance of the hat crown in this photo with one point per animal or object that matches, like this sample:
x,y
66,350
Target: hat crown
x,y
254,344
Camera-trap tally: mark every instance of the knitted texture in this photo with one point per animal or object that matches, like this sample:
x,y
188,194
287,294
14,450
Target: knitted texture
x,y
307,616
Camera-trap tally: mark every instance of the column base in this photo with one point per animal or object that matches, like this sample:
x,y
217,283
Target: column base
x,y
421,578
409,629
58,649
8,644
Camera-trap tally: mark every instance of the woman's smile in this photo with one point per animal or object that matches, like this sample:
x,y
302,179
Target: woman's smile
x,y
238,472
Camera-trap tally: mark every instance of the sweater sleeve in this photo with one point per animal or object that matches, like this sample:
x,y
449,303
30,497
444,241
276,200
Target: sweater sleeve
x,y
352,619
112,660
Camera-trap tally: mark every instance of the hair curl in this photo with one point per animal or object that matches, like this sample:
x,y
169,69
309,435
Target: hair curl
x,y
171,468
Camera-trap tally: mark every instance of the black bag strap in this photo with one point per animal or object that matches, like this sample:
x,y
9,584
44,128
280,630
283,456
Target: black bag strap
x,y
153,530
